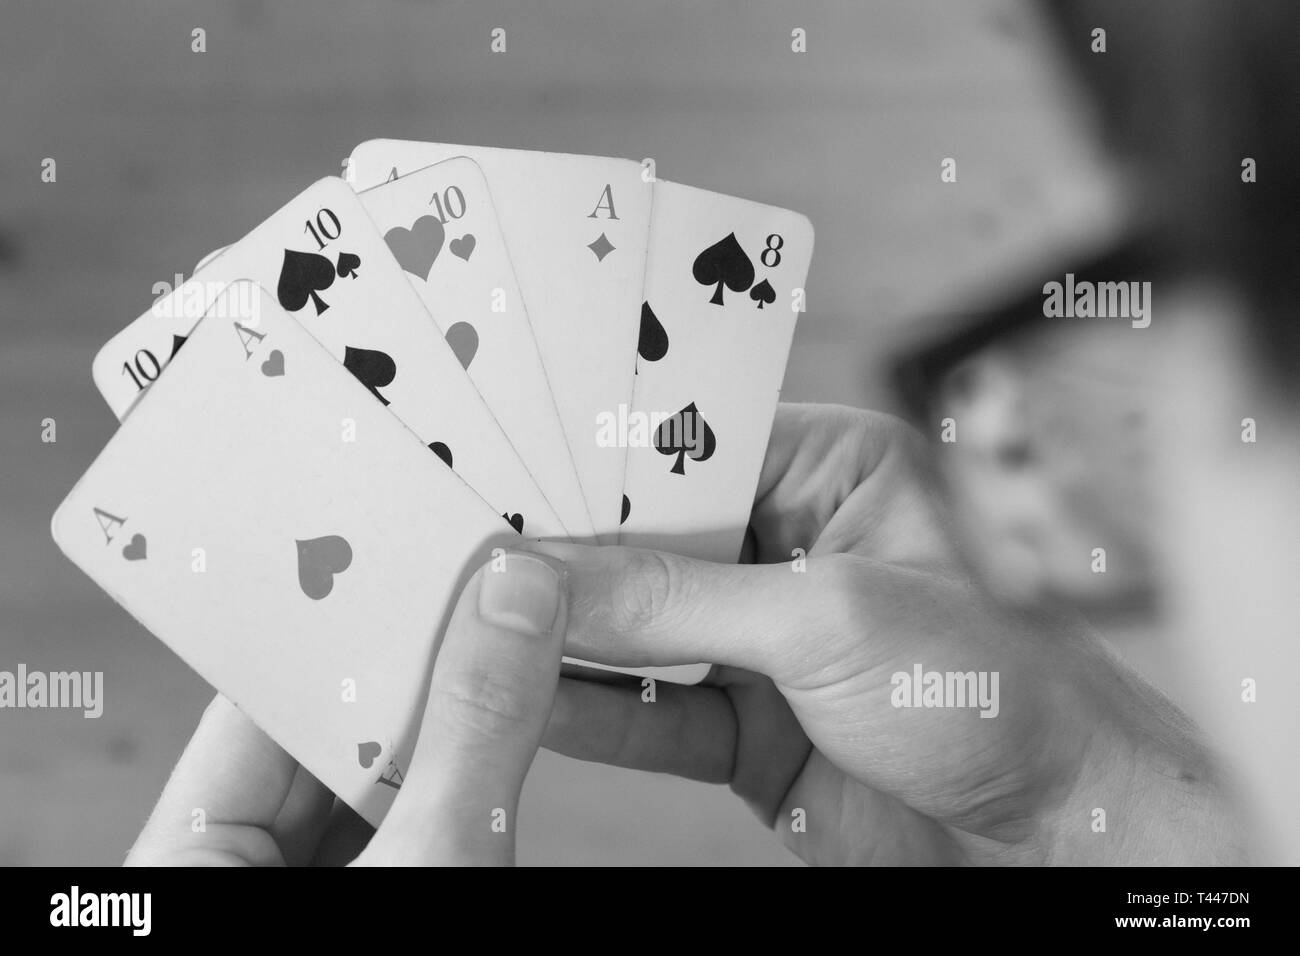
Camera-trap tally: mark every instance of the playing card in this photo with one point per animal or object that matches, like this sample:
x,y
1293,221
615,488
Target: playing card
x,y
576,228
442,229
293,542
724,285
208,258
329,266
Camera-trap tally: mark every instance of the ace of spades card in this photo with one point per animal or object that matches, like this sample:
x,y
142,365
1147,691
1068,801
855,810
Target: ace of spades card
x,y
325,262
442,228
576,228
308,577
724,278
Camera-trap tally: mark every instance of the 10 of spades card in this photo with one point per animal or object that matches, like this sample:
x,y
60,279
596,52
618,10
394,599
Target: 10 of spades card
x,y
332,271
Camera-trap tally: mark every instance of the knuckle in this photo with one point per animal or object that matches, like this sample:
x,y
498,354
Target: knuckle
x,y
480,703
644,589
894,427
890,432
838,617
841,590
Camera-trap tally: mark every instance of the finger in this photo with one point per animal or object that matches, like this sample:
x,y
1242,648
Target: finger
x,y
491,693
742,733
816,456
302,819
821,458
346,835
231,775
687,731
635,608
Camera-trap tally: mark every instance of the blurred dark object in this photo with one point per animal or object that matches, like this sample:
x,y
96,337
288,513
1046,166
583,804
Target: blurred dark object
x,y
1049,462
919,373
1187,90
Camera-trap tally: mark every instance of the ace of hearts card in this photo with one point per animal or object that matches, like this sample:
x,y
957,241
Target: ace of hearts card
x,y
288,537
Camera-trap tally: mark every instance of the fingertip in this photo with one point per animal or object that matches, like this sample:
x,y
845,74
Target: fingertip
x,y
522,593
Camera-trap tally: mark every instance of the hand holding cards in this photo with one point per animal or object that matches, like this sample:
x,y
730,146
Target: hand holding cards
x,y
336,419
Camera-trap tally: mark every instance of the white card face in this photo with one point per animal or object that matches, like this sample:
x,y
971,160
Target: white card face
x,y
576,228
303,568
208,258
723,281
441,227
325,262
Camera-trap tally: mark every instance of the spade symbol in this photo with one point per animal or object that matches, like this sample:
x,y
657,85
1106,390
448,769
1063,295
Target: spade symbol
x,y
302,276
515,521
442,451
763,293
373,369
348,265
177,342
627,510
319,559
653,343
724,263
686,435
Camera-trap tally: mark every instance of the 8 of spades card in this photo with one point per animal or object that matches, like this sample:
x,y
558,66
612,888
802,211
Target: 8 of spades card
x,y
327,264
724,285
306,572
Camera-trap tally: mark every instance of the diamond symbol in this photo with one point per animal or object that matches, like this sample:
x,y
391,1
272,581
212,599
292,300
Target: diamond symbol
x,y
601,247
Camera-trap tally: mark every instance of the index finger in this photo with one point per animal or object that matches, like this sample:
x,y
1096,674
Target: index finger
x,y
233,774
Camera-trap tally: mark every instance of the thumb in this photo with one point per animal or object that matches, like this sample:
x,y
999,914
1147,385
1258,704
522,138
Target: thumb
x,y
489,702
635,608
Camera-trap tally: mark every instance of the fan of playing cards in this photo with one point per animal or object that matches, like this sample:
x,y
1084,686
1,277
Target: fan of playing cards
x,y
588,353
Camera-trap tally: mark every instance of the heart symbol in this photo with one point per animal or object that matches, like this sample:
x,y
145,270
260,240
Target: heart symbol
x,y
367,752
417,248
136,550
319,559
463,341
515,521
274,364
463,247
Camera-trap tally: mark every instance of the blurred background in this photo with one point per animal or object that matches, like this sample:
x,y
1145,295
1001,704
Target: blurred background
x,y
918,300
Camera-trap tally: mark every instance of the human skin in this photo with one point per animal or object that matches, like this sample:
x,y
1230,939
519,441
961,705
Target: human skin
x,y
797,714
489,698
